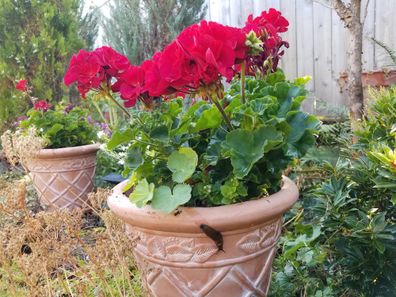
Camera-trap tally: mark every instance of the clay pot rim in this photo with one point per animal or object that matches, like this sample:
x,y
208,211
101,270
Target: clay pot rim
x,y
67,151
223,218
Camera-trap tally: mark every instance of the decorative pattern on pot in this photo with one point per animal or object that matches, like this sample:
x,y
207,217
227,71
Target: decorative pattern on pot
x,y
175,249
63,182
78,163
176,258
192,266
260,238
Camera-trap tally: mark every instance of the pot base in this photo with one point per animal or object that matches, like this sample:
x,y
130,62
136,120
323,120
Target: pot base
x,y
183,266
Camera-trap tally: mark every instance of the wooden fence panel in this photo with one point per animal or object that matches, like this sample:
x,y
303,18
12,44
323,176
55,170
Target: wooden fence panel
x,y
318,39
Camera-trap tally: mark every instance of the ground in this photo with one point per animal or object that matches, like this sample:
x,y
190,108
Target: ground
x,y
63,253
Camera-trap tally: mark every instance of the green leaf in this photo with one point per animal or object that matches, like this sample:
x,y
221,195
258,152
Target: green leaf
x,y
210,118
235,102
167,201
245,147
299,122
174,107
232,189
229,189
134,158
393,199
302,240
194,108
142,193
160,133
182,163
302,81
130,183
120,137
275,77
54,129
379,223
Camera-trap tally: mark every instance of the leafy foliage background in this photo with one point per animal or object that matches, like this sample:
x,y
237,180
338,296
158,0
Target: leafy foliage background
x,y
139,28
37,40
340,239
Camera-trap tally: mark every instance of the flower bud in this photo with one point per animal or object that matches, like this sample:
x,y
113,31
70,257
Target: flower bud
x,y
254,43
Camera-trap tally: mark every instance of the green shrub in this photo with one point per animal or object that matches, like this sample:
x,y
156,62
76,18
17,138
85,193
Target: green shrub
x,y
341,238
37,40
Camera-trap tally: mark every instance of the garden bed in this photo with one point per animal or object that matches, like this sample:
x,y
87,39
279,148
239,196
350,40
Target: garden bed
x,y
61,253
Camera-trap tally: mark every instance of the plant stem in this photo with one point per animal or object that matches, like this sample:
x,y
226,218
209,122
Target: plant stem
x,y
115,115
111,116
243,82
119,105
100,112
222,111
295,218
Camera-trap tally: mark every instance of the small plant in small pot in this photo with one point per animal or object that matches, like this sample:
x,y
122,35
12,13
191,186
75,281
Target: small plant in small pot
x,y
56,145
206,195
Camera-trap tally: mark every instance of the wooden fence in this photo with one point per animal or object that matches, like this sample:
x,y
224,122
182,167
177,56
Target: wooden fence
x,y
318,40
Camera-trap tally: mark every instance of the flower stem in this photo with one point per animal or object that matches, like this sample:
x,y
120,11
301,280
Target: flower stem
x,y
222,111
243,82
111,118
100,112
119,105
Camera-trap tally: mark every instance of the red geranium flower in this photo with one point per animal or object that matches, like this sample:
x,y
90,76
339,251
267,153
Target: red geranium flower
x,y
170,71
112,62
42,105
267,27
91,69
21,85
84,69
154,83
215,48
177,68
130,85
271,22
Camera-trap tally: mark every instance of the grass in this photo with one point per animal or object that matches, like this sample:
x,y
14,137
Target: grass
x,y
62,253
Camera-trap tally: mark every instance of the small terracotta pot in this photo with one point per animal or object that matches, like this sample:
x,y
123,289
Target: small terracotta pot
x,y
177,259
63,177
375,79
379,78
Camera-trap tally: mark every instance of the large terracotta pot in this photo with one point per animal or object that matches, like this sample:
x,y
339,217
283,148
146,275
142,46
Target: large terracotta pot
x,y
177,259
63,177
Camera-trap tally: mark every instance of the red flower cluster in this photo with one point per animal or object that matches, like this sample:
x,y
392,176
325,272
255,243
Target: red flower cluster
x,y
91,69
130,85
201,55
21,85
42,105
267,27
215,48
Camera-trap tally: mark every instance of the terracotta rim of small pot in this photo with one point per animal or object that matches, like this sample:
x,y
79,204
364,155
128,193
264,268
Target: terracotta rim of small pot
x,y
66,152
223,218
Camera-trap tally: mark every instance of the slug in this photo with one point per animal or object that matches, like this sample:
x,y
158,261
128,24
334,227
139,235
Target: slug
x,y
214,235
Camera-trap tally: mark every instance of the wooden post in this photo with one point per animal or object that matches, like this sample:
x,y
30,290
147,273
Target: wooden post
x,y
350,16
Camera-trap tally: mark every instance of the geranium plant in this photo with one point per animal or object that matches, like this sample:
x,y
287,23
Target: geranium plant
x,y
191,141
58,126
56,145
